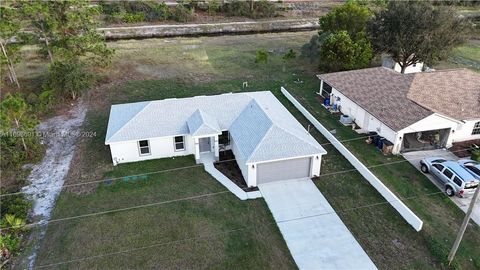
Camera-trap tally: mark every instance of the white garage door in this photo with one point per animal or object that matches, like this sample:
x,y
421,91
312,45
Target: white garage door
x,y
282,170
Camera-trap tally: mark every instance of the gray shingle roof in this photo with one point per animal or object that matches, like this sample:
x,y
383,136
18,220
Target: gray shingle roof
x,y
261,127
201,123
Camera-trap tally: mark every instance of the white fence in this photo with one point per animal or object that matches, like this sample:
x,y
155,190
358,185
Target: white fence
x,y
404,211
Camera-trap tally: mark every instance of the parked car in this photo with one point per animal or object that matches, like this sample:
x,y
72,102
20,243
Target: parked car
x,y
456,179
472,166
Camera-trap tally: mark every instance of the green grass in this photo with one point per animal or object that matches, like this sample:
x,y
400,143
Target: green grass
x,y
217,65
208,219
464,56
441,216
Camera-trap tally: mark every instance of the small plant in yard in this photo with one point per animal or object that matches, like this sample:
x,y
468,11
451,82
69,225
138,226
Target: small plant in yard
x,y
182,13
290,55
476,154
10,237
261,56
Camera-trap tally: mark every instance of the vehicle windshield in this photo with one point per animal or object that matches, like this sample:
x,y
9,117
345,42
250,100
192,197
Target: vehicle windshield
x,y
473,169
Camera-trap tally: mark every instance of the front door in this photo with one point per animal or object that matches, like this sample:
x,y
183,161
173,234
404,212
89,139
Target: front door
x,y
205,145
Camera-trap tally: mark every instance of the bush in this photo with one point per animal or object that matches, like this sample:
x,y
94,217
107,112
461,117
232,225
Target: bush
x,y
17,205
183,14
263,9
133,17
237,8
159,12
68,79
134,11
261,56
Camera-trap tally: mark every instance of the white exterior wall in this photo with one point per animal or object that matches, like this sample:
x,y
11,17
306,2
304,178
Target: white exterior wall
x,y
464,131
410,69
128,151
240,162
249,171
432,122
364,119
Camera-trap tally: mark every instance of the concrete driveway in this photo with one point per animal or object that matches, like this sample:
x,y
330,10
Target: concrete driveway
x,y
315,235
463,203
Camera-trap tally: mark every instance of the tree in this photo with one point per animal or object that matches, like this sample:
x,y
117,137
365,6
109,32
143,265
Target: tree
x,y
18,123
67,30
349,17
9,30
416,31
342,39
68,78
340,52
37,13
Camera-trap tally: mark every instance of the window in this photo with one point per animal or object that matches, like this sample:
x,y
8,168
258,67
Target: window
x,y
179,143
144,147
457,181
438,167
448,173
476,129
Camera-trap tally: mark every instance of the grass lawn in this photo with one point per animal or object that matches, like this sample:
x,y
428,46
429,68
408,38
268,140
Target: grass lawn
x,y
182,67
467,55
256,244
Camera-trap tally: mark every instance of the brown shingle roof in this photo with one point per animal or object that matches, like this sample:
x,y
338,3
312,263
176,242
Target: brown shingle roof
x,y
399,100
454,93
380,91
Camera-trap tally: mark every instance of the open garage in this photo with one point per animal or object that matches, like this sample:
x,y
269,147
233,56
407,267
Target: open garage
x,y
425,140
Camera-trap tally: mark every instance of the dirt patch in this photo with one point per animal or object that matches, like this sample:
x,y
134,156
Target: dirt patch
x,y
229,167
59,134
462,149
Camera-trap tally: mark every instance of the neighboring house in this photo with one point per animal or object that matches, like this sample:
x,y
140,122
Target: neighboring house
x,y
269,144
413,111
388,62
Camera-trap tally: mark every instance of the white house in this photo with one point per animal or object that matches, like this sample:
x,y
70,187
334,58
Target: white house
x,y
414,111
269,144
388,62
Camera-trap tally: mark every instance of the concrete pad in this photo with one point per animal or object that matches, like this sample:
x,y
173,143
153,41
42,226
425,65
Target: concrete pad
x,y
462,203
315,235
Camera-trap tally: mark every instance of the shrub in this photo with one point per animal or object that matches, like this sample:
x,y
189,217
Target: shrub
x,y
159,12
68,79
261,57
237,8
32,99
17,205
183,14
9,244
263,9
133,17
134,11
213,7
46,100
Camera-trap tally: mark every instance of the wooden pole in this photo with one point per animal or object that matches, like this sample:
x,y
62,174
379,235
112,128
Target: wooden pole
x,y
451,256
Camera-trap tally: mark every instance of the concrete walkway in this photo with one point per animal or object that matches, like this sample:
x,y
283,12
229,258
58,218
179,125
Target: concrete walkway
x,y
315,235
207,160
462,203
